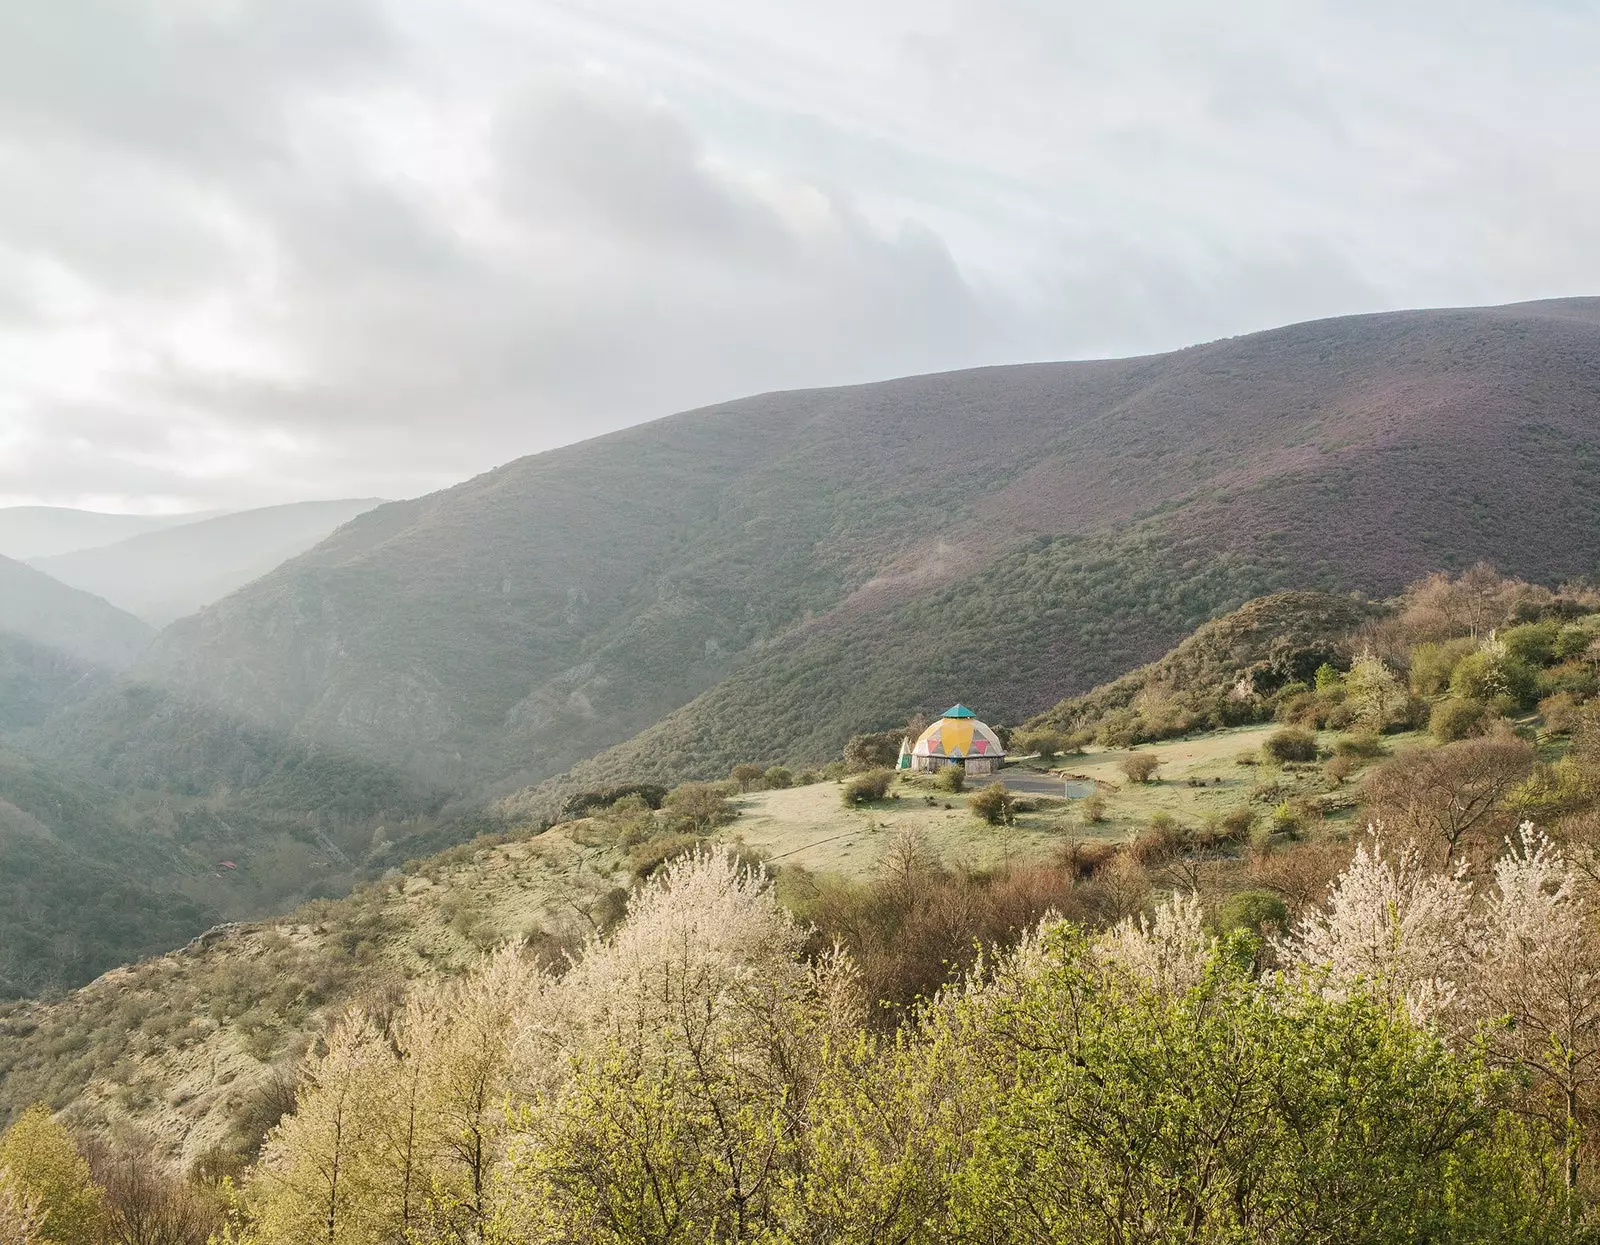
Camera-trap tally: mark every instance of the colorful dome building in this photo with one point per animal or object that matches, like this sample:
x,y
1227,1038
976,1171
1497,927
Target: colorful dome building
x,y
957,738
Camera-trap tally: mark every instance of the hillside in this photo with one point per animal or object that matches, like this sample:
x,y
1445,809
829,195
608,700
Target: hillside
x,y
164,574
39,609
44,531
1252,651
186,1045
851,555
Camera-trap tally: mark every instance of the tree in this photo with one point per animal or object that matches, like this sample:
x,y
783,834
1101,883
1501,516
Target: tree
x,y
145,1205
747,776
1390,928
1442,796
1140,767
1539,973
700,805
44,1170
21,1220
1372,692
875,751
688,1047
994,804
314,1181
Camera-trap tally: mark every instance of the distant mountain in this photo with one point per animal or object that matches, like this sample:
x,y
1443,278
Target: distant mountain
x,y
760,579
163,575
44,531
68,621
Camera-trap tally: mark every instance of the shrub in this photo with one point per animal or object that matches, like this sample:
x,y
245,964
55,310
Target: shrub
x,y
1094,808
867,788
1560,712
1361,744
1162,841
1046,743
1258,911
994,804
1329,677
1140,767
1340,767
777,779
1293,743
1288,819
808,778
1247,757
951,778
1237,823
1456,718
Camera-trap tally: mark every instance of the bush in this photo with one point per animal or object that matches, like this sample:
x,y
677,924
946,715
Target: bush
x,y
995,805
1235,825
1046,743
1329,677
777,779
1456,718
1140,767
1094,808
1560,713
867,788
951,778
808,778
1293,743
1360,744
1162,841
1340,767
1258,911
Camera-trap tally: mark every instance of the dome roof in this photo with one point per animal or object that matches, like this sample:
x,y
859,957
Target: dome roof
x,y
958,734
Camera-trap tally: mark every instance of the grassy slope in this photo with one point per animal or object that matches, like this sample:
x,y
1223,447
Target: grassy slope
x,y
180,1044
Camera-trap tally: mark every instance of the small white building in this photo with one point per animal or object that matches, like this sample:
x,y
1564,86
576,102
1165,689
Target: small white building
x,y
957,738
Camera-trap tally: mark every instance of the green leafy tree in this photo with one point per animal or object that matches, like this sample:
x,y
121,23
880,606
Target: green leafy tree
x,y
42,1169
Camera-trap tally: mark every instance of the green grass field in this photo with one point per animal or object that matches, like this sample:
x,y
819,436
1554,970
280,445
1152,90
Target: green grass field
x,y
809,827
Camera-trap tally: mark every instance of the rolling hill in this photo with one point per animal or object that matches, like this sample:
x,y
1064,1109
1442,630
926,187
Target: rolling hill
x,y
164,574
44,531
77,624
760,579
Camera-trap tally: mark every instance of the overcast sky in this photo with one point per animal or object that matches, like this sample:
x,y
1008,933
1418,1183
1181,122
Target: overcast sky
x,y
262,250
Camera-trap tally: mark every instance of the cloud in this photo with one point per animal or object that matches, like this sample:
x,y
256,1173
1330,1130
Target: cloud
x,y
267,249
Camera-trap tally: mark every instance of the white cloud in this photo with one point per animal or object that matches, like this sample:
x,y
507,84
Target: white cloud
x,y
280,248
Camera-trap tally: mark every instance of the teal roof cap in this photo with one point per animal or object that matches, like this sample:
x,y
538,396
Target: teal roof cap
x,y
958,711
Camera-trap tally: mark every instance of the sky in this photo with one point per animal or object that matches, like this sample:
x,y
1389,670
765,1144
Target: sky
x,y
256,251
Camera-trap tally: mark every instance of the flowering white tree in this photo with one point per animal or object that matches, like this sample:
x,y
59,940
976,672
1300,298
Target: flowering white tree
x,y
1168,952
1538,973
1392,928
688,1043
